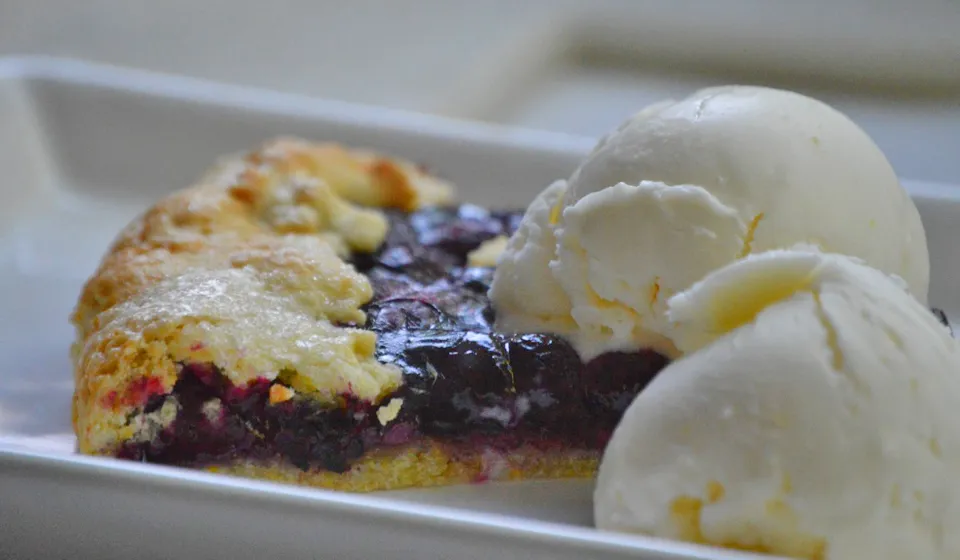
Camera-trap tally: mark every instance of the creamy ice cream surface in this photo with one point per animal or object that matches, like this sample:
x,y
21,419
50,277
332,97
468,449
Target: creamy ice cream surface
x,y
523,281
685,187
813,416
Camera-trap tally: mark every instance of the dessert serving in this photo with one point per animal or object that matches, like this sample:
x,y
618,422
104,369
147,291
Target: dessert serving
x,y
723,306
313,314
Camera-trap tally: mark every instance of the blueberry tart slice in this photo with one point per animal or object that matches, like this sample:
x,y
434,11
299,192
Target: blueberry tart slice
x,y
318,315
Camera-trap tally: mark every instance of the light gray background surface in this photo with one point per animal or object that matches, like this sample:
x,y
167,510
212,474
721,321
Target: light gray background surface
x,y
568,65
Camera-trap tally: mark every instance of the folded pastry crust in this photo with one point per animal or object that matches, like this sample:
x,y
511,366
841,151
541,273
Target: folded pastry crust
x,y
244,270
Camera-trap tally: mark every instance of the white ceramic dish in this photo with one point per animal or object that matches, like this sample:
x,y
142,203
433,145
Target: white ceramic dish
x,y
83,148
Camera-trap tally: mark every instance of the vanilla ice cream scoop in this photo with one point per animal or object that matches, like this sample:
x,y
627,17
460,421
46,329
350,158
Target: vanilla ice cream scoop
x,y
812,416
685,187
523,281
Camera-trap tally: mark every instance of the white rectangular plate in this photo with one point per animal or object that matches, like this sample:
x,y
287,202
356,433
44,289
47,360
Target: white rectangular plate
x,y
84,148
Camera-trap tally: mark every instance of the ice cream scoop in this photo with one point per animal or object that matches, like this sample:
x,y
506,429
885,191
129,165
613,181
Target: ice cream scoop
x,y
523,281
812,416
685,187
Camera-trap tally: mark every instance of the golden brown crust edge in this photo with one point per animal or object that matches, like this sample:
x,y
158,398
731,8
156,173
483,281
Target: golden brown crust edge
x,y
428,463
184,281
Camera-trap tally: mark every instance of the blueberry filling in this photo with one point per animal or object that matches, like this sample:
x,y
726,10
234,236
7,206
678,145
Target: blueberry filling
x,y
464,384
217,422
